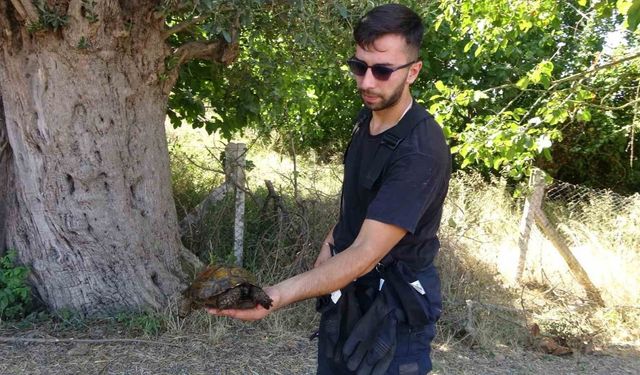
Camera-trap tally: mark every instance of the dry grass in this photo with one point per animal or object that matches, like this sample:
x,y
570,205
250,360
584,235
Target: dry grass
x,y
481,222
251,349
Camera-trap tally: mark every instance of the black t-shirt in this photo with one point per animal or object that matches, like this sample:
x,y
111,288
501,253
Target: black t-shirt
x,y
409,193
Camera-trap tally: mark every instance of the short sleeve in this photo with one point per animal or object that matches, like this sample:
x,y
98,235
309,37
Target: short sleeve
x,y
408,188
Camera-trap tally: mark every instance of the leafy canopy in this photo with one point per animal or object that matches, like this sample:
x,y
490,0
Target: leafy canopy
x,y
513,83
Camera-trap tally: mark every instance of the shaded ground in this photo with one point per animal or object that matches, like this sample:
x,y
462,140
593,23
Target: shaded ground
x,y
247,350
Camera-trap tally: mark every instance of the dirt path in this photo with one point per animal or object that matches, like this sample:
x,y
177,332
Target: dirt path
x,y
250,351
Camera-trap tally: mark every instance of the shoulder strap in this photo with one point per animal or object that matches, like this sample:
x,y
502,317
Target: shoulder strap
x,y
390,141
363,116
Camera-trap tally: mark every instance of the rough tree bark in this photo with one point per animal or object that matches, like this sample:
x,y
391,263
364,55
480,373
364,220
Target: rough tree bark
x,y
91,210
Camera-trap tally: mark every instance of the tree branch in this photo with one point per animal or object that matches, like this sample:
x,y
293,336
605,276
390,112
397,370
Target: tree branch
x,y
26,10
217,51
576,76
597,68
183,26
608,108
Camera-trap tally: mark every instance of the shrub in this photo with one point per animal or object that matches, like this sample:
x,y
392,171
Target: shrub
x,y
15,296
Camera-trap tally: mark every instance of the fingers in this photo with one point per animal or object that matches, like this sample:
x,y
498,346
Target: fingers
x,y
256,313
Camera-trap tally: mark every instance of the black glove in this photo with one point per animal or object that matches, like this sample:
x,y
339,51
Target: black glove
x,y
371,346
329,331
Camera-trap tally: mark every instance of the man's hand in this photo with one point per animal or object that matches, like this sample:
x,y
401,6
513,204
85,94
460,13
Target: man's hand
x,y
323,255
256,313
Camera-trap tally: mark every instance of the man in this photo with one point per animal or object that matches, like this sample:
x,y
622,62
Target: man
x,y
397,169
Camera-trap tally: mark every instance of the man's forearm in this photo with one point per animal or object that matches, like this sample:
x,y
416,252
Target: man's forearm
x,y
373,242
331,275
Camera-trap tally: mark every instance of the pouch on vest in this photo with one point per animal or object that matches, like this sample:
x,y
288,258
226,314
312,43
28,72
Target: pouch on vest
x,y
339,318
371,346
415,306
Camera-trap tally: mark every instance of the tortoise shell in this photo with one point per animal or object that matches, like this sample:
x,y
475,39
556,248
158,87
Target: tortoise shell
x,y
225,287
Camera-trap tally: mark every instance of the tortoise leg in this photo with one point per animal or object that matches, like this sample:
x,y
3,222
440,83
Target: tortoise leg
x,y
260,297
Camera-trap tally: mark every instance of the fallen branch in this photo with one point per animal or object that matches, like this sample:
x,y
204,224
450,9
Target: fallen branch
x,y
196,215
13,340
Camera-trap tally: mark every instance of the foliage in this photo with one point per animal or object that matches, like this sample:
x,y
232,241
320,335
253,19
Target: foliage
x,y
15,295
50,17
510,81
287,77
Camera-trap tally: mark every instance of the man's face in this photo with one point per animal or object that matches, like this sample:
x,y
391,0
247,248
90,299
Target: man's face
x,y
389,50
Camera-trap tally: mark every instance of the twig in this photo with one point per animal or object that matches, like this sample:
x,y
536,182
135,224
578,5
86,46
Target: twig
x,y
205,168
609,108
634,123
11,340
184,25
576,76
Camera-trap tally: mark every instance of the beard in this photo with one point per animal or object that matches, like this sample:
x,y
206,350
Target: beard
x,y
386,102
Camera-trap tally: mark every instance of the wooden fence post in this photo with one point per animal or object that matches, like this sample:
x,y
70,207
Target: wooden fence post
x,y
234,167
574,265
534,215
531,205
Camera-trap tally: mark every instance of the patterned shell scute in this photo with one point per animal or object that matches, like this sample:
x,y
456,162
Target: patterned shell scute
x,y
217,279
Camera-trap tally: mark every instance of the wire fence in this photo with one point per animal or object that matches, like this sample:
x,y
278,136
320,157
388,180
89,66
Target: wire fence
x,y
579,238
595,217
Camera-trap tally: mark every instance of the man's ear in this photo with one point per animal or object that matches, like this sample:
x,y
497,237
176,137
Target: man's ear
x,y
414,70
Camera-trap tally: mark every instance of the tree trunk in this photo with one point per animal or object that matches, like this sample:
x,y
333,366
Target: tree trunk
x,y
93,214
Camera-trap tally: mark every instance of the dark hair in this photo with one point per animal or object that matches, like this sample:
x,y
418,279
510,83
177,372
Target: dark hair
x,y
390,19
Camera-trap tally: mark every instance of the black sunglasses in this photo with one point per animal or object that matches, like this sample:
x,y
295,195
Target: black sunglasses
x,y
380,72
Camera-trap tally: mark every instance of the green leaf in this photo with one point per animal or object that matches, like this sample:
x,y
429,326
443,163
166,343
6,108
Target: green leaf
x,y
479,50
582,2
584,115
226,36
343,11
523,83
436,26
497,162
462,99
441,87
468,46
633,15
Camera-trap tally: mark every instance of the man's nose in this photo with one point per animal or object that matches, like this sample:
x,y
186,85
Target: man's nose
x,y
368,81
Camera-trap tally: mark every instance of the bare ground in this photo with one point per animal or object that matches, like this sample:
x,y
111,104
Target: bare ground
x,y
249,349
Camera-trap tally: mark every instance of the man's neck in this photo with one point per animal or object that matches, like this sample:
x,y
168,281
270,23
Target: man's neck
x,y
389,117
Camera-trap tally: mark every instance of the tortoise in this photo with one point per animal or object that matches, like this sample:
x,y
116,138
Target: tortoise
x,y
224,287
